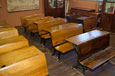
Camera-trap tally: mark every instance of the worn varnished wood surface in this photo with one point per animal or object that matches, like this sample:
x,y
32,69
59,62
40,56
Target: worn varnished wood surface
x,y
32,26
99,58
29,22
8,32
85,37
12,43
60,27
89,42
34,64
27,17
59,36
50,23
89,23
17,55
83,11
68,60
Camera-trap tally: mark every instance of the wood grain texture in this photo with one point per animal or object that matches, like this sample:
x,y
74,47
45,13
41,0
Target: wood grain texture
x,y
33,66
8,32
89,23
46,36
29,22
27,17
85,12
63,48
83,38
32,26
98,58
50,23
59,37
60,27
12,43
17,55
90,42
107,22
108,19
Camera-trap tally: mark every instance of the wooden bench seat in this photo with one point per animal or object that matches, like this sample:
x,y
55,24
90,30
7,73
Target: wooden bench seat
x,y
46,36
48,24
12,43
92,49
58,39
33,28
36,23
98,58
30,22
34,65
23,19
8,32
63,48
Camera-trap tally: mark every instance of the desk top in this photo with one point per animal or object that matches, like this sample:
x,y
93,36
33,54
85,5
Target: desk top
x,y
60,27
85,37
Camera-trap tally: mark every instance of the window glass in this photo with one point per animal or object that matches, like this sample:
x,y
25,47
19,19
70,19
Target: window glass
x,y
52,3
59,3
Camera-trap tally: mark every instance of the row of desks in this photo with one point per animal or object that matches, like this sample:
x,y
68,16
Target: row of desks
x,y
17,58
86,43
61,27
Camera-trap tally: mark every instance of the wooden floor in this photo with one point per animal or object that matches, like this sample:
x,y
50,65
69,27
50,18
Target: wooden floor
x,y
64,68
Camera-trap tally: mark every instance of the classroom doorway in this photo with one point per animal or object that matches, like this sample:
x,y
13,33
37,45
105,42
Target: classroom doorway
x,y
55,8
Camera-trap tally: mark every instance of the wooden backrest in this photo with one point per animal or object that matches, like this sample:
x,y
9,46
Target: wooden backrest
x,y
86,12
31,24
59,37
13,43
27,17
31,66
8,32
17,55
50,23
89,23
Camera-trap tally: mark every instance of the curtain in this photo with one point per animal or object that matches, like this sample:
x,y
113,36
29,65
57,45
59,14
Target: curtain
x,y
66,6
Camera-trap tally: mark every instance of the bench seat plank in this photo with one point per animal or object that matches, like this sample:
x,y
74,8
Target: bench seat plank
x,y
64,47
98,58
46,36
